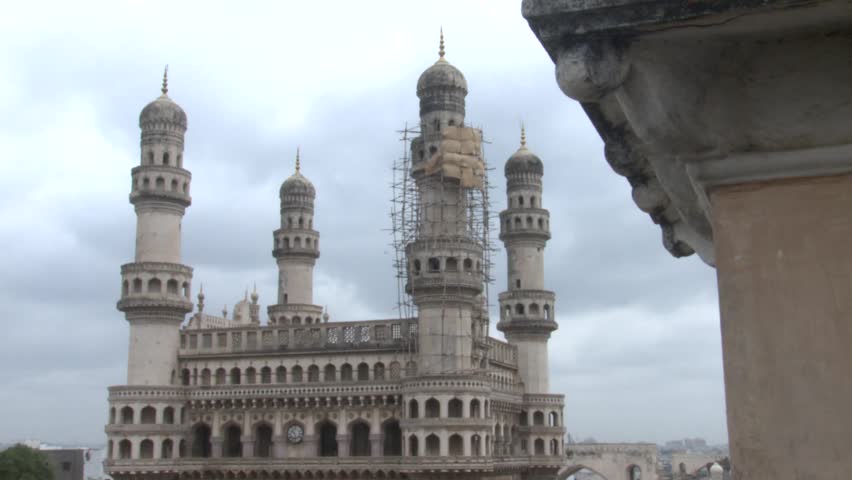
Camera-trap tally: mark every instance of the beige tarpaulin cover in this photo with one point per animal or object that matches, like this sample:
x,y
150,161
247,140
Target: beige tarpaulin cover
x,y
459,156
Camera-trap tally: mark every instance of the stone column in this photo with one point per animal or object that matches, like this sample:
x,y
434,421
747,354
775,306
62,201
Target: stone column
x,y
248,447
279,443
342,445
784,267
376,444
216,444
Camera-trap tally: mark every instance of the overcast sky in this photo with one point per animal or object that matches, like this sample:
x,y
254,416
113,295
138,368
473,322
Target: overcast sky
x,y
637,353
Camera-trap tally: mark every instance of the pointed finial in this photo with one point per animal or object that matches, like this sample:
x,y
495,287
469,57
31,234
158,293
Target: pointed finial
x,y
165,88
441,47
523,135
254,295
298,162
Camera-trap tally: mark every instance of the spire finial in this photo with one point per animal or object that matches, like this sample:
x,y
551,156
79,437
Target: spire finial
x,y
523,135
165,88
298,162
441,47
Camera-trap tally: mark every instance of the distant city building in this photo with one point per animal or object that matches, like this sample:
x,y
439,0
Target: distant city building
x,y
67,463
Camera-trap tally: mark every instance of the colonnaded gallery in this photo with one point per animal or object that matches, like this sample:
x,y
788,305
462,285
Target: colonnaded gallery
x,y
428,394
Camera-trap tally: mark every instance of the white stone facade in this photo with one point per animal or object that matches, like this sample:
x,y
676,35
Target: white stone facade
x,y
300,396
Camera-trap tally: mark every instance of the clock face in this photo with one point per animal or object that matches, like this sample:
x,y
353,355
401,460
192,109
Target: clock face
x,y
295,434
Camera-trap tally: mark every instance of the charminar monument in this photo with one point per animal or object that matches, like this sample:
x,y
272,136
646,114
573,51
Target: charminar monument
x,y
296,395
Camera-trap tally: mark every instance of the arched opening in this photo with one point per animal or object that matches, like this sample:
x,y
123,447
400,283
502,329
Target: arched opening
x,y
359,444
532,201
328,439
540,224
184,376
533,309
547,312
146,449
452,264
124,449
281,375
137,285
553,419
235,376
520,201
330,373
413,409
125,288
160,183
150,158
467,264
363,372
251,376
148,416
475,411
201,441
165,158
301,222
379,371
538,418
112,415
155,285
296,374
297,242
410,369
433,445
433,408
518,222
394,370
455,408
413,446
346,372
169,416
529,222
523,418
166,449
173,186
393,439
182,448
313,374
539,446
232,446
205,376
519,308
265,375
476,446
417,267
263,440
434,265
634,472
456,445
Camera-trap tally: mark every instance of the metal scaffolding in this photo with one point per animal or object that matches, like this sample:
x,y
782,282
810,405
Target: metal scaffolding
x,y
407,214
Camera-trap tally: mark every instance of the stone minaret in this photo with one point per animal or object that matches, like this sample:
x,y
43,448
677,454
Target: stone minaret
x,y
444,260
526,309
296,249
155,287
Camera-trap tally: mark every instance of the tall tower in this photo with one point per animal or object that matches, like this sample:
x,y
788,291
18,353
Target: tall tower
x,y
296,249
526,309
155,287
444,260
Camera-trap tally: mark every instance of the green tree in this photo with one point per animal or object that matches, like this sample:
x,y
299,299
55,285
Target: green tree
x,y
23,463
